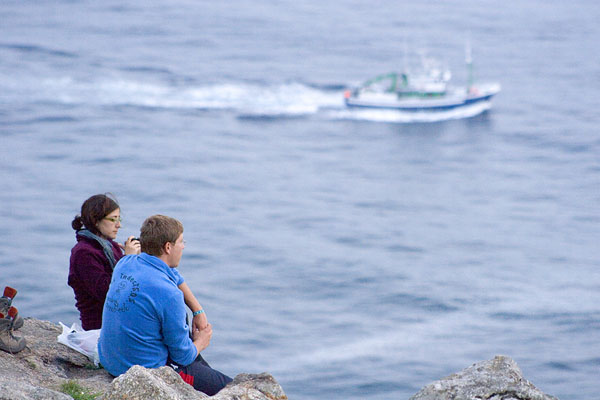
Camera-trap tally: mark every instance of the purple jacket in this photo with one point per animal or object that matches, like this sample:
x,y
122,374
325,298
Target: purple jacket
x,y
89,276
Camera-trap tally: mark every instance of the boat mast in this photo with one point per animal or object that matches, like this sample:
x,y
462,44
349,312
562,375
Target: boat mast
x,y
469,62
404,56
404,73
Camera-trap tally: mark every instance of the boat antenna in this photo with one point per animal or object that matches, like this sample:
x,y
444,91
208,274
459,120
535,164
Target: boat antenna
x,y
469,62
404,56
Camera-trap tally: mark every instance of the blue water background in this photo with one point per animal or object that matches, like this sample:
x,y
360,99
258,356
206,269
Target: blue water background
x,y
351,255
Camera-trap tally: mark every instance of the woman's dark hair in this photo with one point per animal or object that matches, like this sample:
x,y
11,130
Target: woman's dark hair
x,y
93,210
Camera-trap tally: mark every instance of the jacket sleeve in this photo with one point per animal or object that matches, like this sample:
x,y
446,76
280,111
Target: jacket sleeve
x,y
178,278
176,331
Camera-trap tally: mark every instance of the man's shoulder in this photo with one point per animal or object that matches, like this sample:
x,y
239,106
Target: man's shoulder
x,y
144,270
128,259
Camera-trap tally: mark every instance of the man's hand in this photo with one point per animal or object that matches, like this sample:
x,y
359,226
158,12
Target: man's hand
x,y
201,338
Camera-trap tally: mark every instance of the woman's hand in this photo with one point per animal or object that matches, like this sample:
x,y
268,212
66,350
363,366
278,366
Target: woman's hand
x,y
132,246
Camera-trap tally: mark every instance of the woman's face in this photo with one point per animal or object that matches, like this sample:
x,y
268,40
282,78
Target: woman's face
x,y
109,225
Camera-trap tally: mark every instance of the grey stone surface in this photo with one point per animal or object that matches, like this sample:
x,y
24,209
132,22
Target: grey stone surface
x,y
23,391
46,363
141,383
38,371
252,387
496,379
164,383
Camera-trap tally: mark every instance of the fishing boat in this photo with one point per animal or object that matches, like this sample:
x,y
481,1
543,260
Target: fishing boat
x,y
427,89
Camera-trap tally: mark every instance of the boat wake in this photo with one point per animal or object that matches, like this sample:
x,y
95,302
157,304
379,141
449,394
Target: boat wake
x,y
245,100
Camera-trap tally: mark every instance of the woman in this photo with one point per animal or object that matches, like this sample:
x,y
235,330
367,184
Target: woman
x,y
94,256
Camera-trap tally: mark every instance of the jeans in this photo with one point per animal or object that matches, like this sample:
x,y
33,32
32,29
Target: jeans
x,y
201,376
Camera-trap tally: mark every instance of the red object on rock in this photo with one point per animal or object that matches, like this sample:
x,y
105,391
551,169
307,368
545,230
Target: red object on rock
x,y
10,292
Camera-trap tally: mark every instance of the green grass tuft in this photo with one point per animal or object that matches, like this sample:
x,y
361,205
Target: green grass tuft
x,y
77,392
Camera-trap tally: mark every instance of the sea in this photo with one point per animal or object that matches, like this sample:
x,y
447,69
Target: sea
x,y
350,254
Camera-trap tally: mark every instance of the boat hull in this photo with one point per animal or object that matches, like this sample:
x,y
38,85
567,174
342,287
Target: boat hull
x,y
451,101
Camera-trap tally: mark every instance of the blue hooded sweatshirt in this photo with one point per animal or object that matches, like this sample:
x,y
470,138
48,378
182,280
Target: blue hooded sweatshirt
x,y
144,317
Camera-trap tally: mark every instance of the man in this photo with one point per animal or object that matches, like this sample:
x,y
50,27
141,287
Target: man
x,y
144,316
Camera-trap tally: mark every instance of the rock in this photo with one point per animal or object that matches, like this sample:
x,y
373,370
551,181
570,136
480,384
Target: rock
x,y
39,370
24,391
252,387
140,383
496,379
45,363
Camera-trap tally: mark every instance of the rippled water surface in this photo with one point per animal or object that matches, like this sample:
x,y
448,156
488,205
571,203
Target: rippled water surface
x,y
353,255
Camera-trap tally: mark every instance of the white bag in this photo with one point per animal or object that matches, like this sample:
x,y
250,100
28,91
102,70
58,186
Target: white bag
x,y
85,342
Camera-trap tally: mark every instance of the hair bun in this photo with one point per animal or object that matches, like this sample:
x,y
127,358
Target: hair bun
x,y
77,224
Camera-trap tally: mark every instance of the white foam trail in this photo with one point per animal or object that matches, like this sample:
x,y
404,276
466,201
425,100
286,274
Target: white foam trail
x,y
284,99
244,99
251,99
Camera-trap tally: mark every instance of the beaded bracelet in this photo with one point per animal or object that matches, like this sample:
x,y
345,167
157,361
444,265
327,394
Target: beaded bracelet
x,y
197,313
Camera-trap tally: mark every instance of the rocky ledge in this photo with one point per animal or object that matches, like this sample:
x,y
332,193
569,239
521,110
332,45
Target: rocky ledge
x,y
43,368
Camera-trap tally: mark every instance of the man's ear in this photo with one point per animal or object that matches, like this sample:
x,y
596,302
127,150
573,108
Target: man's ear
x,y
167,248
